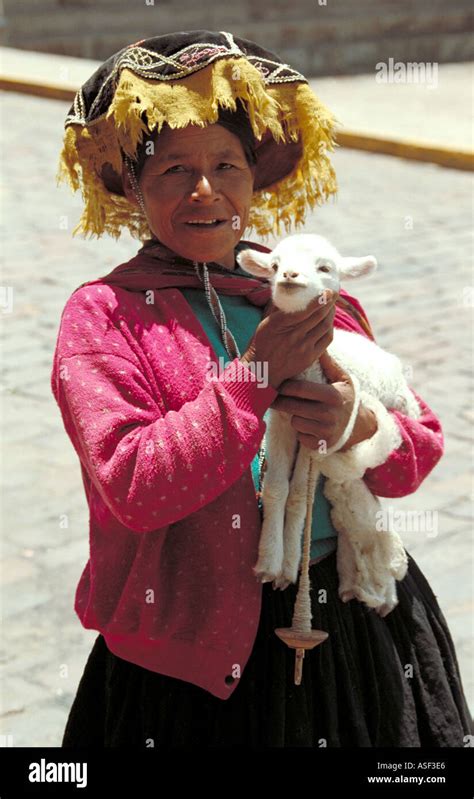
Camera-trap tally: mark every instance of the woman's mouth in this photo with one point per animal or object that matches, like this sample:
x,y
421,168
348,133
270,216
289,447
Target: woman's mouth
x,y
204,224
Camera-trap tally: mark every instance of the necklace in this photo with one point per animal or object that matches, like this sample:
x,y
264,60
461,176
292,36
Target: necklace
x,y
232,350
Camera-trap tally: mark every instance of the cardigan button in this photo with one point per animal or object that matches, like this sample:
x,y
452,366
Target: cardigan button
x,y
229,679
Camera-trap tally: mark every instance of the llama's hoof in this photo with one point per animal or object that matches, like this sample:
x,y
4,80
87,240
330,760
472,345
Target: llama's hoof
x,y
385,609
290,574
265,570
281,583
263,576
346,595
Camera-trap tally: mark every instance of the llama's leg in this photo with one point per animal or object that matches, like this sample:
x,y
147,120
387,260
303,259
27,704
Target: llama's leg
x,y
369,561
295,516
281,444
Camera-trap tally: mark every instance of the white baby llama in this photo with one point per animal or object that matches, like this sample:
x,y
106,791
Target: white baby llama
x,y
369,559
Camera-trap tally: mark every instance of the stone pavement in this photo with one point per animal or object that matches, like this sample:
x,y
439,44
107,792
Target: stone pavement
x,y
415,218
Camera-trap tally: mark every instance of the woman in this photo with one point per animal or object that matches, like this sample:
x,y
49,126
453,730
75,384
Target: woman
x,y
187,139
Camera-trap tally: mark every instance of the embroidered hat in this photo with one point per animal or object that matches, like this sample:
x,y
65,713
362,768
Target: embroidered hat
x,y
193,77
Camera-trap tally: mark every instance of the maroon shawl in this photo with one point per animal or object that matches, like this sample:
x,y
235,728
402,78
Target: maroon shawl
x,y
155,266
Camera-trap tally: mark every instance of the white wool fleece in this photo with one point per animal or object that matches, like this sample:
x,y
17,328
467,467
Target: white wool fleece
x,y
369,561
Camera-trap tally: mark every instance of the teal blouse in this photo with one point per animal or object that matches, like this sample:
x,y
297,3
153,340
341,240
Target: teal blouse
x,y
242,319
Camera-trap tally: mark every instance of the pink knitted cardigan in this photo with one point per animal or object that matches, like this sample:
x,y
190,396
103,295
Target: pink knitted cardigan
x,y
165,456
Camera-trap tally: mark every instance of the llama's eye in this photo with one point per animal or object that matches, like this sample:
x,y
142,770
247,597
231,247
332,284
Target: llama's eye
x,y
274,267
323,268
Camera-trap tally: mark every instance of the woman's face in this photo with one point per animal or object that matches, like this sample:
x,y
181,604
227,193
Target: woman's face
x,y
197,174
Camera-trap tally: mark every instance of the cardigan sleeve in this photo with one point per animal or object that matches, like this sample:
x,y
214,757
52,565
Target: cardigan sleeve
x,y
401,453
408,464
153,467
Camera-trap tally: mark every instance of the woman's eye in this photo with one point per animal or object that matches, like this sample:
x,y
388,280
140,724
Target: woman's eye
x,y
180,166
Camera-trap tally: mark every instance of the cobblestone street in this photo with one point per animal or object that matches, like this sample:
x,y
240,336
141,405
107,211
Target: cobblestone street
x,y
414,217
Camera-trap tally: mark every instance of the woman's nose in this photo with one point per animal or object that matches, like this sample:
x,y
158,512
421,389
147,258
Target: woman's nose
x,y
202,187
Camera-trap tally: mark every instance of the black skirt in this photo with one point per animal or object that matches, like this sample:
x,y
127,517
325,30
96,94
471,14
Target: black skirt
x,y
373,683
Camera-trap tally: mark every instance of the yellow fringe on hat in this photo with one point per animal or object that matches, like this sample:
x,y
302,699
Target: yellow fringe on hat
x,y
289,110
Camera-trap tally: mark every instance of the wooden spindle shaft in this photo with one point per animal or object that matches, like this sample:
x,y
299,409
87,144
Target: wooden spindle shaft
x,y
299,656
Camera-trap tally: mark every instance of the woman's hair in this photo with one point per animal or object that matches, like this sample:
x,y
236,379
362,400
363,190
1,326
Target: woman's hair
x,y
237,122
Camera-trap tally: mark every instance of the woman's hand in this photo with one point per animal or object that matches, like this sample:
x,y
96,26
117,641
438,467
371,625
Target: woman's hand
x,y
320,411
289,343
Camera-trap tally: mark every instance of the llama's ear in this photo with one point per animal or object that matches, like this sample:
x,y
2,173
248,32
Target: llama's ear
x,y
357,267
255,262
